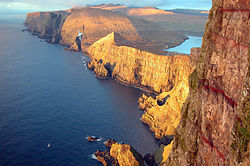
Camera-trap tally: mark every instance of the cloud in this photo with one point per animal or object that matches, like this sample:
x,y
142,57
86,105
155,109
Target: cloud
x,y
63,4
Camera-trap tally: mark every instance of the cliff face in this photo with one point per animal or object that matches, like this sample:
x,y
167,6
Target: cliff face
x,y
98,23
214,129
46,25
163,113
119,155
126,155
135,67
167,75
62,27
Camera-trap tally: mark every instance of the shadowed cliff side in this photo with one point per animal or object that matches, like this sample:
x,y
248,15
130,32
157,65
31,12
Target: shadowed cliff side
x,y
98,23
214,127
46,25
63,27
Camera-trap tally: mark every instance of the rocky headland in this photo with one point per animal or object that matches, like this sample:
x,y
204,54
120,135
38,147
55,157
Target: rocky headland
x,y
164,76
46,25
63,26
119,155
205,95
134,67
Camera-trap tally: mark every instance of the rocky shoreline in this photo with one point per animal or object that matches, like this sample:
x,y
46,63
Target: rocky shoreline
x,y
183,92
135,70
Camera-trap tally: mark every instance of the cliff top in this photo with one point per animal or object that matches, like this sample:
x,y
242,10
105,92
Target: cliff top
x,y
185,20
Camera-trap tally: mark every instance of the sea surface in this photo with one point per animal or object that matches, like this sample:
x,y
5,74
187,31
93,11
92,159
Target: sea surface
x,y
47,96
185,47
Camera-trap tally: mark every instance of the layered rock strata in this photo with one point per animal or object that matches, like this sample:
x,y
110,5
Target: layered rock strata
x,y
119,155
214,128
166,74
47,25
138,68
63,27
163,113
126,155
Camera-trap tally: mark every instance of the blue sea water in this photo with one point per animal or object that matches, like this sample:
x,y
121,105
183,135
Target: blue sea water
x,y
185,47
47,96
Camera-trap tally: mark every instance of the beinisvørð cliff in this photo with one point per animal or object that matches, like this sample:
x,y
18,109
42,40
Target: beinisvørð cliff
x,y
214,128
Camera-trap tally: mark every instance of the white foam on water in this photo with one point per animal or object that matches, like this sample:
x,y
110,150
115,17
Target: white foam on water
x,y
98,140
93,156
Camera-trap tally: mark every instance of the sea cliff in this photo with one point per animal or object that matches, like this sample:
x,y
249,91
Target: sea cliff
x,y
214,126
63,26
46,25
134,67
163,75
210,106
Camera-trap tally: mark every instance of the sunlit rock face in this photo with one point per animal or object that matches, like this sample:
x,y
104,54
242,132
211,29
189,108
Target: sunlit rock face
x,y
46,25
165,75
126,155
138,68
163,119
214,116
97,23
63,26
119,155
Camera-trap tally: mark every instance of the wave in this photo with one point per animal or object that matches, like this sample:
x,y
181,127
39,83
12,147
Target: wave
x,y
93,156
98,140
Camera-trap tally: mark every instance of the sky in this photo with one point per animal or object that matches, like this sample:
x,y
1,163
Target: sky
x,y
42,5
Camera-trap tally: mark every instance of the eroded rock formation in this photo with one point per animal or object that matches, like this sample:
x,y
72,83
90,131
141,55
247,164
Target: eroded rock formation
x,y
214,126
126,155
47,25
163,119
138,68
63,26
119,155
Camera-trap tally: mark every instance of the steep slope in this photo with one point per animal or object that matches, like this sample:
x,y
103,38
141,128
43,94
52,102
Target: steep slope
x,y
167,75
163,113
214,128
97,23
135,67
46,25
119,155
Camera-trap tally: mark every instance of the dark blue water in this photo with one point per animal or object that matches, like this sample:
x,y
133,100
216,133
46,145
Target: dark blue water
x,y
47,96
185,47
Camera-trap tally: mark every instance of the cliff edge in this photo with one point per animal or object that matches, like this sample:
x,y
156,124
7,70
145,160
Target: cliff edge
x,y
214,128
134,67
63,27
